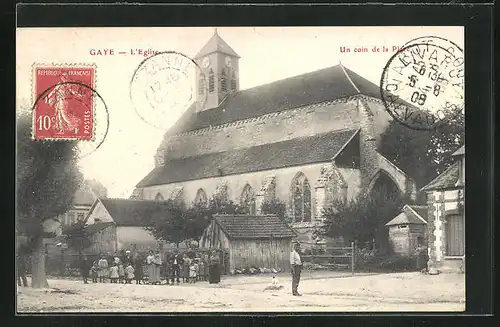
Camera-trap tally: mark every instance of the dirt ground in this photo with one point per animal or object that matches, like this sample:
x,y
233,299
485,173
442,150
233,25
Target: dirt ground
x,y
322,291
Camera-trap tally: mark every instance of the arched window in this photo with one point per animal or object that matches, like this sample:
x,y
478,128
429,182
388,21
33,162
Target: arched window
x,y
248,200
301,198
223,81
201,197
201,83
233,82
211,81
159,197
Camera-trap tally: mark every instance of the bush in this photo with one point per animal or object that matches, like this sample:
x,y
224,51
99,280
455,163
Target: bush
x,y
373,262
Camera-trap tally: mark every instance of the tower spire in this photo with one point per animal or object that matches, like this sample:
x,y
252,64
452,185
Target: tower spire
x,y
215,30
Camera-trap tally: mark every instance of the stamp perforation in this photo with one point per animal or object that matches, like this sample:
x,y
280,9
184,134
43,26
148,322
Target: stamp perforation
x,y
35,96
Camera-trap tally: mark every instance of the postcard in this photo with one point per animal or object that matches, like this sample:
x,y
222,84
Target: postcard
x,y
227,169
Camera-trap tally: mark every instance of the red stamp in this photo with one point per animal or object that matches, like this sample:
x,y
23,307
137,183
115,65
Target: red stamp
x,y
64,102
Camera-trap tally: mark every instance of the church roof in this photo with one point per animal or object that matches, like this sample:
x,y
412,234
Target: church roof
x,y
410,215
254,227
216,44
298,151
315,87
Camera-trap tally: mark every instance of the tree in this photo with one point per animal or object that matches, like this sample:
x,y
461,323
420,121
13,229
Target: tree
x,y
99,189
276,207
47,177
423,154
363,219
77,237
178,223
167,222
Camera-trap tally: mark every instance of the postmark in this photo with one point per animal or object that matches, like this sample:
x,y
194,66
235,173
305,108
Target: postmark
x,y
165,85
67,107
423,83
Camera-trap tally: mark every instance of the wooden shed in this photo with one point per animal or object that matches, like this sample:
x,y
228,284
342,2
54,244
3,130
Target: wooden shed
x,y
408,229
263,241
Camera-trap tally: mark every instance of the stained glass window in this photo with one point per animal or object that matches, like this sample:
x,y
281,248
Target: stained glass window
x,y
248,200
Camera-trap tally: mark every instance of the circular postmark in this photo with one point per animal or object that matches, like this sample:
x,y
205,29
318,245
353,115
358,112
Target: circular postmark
x,y
165,85
71,111
422,85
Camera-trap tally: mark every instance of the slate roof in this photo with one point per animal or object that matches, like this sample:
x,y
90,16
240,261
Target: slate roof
x,y
126,212
216,44
448,179
315,87
254,227
409,215
294,152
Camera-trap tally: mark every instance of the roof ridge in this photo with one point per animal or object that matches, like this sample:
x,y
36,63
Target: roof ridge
x,y
349,78
416,213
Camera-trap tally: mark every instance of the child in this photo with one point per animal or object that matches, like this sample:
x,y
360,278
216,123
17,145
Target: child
x,y
186,268
121,273
129,272
201,269
113,275
192,271
103,269
93,272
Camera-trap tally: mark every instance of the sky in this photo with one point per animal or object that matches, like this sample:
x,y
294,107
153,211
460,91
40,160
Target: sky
x,y
267,54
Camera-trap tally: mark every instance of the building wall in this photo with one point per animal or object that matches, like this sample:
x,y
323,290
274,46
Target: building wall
x,y
405,240
260,253
103,241
441,202
135,237
276,127
236,183
99,214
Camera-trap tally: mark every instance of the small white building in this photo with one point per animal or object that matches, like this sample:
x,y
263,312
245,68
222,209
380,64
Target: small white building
x,y
408,230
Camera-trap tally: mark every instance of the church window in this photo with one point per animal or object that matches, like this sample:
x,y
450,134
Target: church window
x,y
201,197
301,198
159,197
201,84
248,200
233,82
223,82
211,81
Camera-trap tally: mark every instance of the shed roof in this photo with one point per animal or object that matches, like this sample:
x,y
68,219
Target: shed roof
x,y
448,179
294,152
410,215
254,226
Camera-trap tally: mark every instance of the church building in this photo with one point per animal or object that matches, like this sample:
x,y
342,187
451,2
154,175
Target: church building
x,y
306,140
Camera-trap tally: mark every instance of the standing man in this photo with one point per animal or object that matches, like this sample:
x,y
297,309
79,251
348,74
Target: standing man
x,y
296,265
176,262
85,269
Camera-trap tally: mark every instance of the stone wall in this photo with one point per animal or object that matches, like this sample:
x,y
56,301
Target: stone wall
x,y
271,128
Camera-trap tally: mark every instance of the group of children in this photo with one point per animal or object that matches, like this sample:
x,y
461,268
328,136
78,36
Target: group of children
x,y
117,273
191,268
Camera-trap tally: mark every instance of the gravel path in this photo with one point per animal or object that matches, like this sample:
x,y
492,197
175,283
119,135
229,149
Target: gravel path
x,y
326,291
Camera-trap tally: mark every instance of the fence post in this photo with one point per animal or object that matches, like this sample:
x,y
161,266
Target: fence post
x,y
352,258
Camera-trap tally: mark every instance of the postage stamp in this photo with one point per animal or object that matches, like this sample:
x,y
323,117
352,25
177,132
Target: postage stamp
x,y
167,84
423,83
64,105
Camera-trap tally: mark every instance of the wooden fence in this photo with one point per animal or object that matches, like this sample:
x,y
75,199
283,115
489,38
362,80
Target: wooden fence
x,y
327,255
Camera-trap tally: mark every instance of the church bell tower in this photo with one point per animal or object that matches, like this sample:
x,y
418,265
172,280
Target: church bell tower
x,y
219,76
